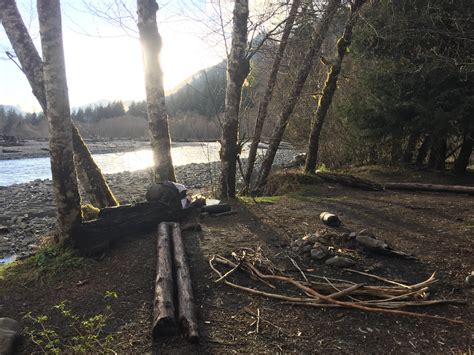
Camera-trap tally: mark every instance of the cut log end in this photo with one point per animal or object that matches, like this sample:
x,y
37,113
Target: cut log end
x,y
164,326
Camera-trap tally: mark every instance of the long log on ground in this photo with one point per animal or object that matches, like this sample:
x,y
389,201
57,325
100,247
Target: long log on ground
x,y
113,223
186,307
164,322
350,180
430,187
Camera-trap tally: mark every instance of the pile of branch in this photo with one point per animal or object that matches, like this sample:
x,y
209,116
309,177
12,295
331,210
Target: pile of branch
x,y
173,278
377,299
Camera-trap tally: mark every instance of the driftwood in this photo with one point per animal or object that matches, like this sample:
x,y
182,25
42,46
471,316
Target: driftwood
x,y
186,307
163,307
315,299
430,187
113,223
350,180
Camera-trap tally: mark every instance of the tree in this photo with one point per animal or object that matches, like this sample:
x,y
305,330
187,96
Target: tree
x,y
330,86
66,192
320,32
89,173
263,107
238,68
155,95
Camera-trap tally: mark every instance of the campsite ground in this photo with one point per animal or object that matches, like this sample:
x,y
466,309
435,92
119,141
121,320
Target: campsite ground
x,y
437,228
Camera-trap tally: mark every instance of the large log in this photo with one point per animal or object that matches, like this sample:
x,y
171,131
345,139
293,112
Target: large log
x,y
350,180
113,223
186,308
430,187
163,307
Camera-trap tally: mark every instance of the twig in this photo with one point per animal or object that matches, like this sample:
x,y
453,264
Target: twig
x,y
378,278
345,292
228,273
299,269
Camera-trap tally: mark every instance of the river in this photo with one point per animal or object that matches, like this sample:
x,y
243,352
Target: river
x,y
17,171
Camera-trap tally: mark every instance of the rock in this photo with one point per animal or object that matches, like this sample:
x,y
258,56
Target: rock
x,y
372,243
310,239
330,219
9,335
470,279
352,235
3,229
340,261
306,248
319,251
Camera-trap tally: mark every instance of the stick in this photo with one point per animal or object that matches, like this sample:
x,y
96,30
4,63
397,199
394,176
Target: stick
x,y
187,312
296,266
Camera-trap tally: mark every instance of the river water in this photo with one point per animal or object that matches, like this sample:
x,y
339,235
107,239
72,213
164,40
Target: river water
x,y
24,170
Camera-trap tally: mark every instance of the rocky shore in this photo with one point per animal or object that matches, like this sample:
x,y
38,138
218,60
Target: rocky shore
x,y
28,210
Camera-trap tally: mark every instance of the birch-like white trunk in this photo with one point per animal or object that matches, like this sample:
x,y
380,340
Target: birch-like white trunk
x,y
155,94
238,68
89,174
68,204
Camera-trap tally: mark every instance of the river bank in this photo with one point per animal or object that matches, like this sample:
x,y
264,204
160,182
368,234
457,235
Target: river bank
x,y
28,209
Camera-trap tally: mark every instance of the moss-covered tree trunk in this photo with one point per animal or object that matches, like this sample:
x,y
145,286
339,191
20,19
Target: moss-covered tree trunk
x,y
462,161
423,151
410,148
238,68
263,108
329,88
68,204
277,135
90,176
155,95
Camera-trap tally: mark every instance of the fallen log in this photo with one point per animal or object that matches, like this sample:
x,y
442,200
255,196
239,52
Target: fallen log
x,y
430,187
113,223
163,307
350,180
186,308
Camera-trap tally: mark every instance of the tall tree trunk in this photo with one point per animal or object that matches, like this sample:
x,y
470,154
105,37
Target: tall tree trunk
x,y
263,108
438,154
277,135
68,203
238,68
329,88
411,144
423,151
155,94
89,173
462,161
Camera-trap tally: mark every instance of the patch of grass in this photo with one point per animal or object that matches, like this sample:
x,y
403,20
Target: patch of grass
x,y
48,261
88,332
260,199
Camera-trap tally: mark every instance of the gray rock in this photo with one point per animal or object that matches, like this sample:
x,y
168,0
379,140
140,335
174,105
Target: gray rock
x,y
319,251
3,229
340,261
306,248
9,335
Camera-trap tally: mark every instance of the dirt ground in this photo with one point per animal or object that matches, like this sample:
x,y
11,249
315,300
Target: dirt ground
x,y
437,228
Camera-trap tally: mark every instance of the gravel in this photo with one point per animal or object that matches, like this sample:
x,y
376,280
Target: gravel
x,y
28,210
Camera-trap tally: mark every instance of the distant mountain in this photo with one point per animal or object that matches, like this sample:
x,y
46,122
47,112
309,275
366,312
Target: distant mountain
x,y
203,92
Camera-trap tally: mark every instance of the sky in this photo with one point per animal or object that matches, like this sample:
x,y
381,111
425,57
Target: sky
x,y
104,59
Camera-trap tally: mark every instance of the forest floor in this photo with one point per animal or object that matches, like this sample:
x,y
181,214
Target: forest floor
x,y
437,228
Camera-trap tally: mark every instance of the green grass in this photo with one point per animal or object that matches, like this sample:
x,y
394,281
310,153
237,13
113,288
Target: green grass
x,y
260,199
48,261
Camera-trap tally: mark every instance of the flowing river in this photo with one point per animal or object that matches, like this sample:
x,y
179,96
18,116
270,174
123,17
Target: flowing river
x,y
17,171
